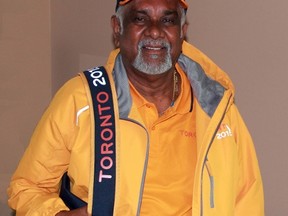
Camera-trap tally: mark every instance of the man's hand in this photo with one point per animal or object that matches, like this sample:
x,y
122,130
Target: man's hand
x,y
77,212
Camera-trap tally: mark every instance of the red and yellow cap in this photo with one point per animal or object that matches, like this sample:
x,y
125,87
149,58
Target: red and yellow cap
x,y
123,2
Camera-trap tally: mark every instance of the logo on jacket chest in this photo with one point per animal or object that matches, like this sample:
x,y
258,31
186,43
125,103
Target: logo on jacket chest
x,y
223,131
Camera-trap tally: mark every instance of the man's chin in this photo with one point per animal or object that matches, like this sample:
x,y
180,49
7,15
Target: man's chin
x,y
152,69
154,58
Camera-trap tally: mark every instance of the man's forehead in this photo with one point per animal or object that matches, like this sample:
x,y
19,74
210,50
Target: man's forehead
x,y
154,7
123,2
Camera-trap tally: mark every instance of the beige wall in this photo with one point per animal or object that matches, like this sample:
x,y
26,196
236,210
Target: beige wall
x,y
248,39
25,79
81,37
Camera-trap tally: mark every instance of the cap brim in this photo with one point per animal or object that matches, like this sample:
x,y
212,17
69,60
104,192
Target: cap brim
x,y
184,4
124,2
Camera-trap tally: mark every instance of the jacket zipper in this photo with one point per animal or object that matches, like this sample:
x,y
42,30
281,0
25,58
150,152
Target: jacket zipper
x,y
204,164
211,178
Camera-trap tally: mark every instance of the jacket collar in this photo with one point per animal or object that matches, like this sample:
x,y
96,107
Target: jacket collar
x,y
199,69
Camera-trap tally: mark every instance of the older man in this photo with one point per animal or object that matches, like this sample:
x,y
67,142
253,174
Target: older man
x,y
157,134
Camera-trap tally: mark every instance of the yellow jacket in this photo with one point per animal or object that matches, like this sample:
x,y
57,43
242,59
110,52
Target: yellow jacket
x,y
227,177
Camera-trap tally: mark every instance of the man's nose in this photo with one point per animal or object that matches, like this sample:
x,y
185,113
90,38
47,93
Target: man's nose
x,y
154,30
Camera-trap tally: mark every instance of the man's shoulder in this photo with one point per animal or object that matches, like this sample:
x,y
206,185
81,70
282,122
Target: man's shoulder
x,y
73,84
71,91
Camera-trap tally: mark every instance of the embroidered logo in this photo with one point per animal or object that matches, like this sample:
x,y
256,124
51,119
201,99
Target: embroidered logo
x,y
188,134
224,131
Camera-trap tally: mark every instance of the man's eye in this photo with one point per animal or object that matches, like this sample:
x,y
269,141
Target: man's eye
x,y
168,21
139,19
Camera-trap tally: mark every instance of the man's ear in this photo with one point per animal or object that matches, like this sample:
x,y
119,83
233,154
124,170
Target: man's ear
x,y
116,27
184,30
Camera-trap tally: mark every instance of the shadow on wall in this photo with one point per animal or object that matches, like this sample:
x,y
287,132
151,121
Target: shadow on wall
x,y
5,210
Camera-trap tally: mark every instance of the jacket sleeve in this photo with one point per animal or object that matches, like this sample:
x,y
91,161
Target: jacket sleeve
x,y
250,197
34,186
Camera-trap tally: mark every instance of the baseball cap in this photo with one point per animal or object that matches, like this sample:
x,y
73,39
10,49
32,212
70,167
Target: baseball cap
x,y
123,2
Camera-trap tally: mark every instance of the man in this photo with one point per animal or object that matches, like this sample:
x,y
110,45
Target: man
x,y
180,145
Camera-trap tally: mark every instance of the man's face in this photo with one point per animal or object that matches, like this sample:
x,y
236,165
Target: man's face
x,y
152,36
